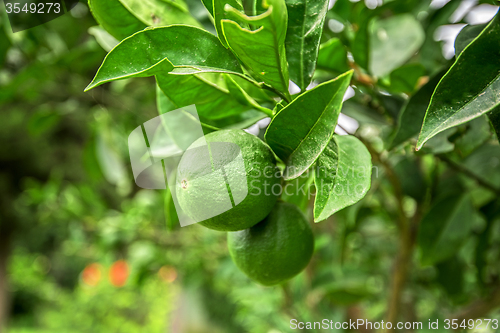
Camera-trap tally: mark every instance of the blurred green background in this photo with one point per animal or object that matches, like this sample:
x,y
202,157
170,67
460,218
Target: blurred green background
x,y
83,249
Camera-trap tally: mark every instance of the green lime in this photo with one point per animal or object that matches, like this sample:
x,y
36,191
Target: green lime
x,y
230,183
276,249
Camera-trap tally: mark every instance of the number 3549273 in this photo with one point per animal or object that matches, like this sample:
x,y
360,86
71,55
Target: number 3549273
x,y
38,8
478,324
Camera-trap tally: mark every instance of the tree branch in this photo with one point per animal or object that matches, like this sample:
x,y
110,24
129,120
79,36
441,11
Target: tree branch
x,y
479,308
468,173
408,234
402,220
402,265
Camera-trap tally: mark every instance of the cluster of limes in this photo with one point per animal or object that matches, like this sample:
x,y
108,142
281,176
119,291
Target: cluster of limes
x,y
269,240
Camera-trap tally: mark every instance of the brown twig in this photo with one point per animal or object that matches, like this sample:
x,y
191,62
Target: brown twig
x,y
408,233
402,265
402,220
480,307
288,301
468,173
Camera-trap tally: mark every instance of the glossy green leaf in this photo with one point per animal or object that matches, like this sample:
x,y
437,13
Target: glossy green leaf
x,y
411,179
475,133
232,114
363,114
242,96
160,12
431,54
491,212
103,38
445,228
392,104
298,191
361,48
405,78
263,49
494,117
342,176
302,129
173,49
441,143
484,163
171,217
209,5
219,13
413,113
361,45
305,25
257,93
123,18
115,18
450,275
240,121
4,44
333,56
402,33
212,101
469,89
466,36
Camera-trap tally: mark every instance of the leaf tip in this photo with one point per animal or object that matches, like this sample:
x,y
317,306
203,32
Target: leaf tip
x,y
420,143
318,219
90,86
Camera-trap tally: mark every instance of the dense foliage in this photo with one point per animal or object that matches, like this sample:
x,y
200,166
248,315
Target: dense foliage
x,y
413,236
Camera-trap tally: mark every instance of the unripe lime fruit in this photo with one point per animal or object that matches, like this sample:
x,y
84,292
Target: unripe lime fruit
x,y
276,249
227,183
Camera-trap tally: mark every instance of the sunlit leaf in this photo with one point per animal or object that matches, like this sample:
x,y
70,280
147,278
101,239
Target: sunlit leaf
x,y
466,36
298,191
263,49
209,5
413,113
211,100
363,40
219,13
361,44
302,129
402,33
342,176
115,18
431,54
160,12
172,49
305,25
469,89
104,38
333,56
